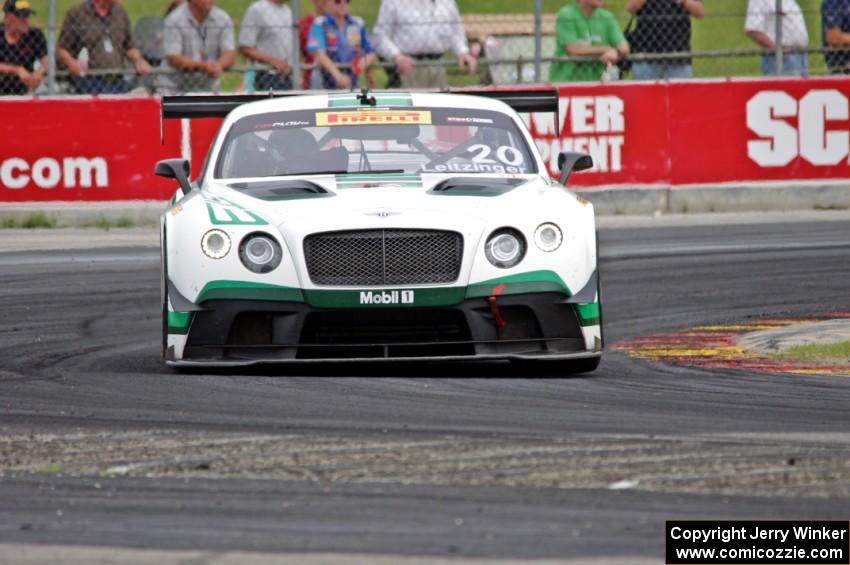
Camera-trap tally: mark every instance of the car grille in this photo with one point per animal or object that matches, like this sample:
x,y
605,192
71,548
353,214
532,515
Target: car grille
x,y
383,257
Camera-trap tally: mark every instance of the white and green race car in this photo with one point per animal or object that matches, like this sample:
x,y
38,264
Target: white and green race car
x,y
377,226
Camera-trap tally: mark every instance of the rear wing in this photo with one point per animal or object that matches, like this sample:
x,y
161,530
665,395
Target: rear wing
x,y
210,106
523,100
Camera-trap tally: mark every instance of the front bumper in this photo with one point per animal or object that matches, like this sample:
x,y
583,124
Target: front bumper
x,y
249,332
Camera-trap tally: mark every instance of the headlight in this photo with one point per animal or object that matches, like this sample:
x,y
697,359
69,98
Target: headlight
x,y
260,253
505,248
548,237
215,244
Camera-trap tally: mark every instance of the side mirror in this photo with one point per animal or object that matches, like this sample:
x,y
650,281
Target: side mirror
x,y
177,169
569,162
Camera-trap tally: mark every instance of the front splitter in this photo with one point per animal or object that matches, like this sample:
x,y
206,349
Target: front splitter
x,y
212,363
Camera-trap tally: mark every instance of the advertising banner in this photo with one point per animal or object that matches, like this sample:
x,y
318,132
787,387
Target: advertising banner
x,y
679,133
762,130
625,128
83,149
703,132
92,149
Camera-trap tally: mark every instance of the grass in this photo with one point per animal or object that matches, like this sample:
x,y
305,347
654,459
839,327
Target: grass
x,y
50,469
722,28
367,9
105,224
818,353
36,220
39,220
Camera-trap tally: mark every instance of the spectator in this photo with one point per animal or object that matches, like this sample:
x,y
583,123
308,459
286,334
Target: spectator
x,y
835,15
408,31
393,78
585,29
21,47
761,28
308,79
663,26
266,37
173,5
96,36
199,42
338,37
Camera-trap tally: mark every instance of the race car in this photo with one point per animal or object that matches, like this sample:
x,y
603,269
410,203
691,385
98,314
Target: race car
x,y
377,226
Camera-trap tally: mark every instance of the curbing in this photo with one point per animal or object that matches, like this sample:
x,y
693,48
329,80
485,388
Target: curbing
x,y
609,201
768,342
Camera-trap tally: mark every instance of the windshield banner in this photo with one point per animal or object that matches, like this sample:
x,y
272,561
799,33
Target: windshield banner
x,y
373,117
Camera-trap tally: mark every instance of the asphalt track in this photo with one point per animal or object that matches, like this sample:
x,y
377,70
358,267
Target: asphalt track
x,y
470,460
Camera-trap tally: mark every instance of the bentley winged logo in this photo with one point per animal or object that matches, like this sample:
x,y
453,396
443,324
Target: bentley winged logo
x,y
382,214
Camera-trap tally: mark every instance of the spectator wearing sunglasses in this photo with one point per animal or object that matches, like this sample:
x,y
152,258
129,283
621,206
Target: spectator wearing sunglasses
x,y
338,38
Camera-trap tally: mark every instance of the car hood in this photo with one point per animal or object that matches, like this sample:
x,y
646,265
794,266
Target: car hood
x,y
429,197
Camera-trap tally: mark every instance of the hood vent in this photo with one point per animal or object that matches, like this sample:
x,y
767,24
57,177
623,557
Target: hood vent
x,y
473,186
277,190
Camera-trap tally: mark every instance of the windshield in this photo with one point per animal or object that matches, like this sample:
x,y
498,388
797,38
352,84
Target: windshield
x,y
374,140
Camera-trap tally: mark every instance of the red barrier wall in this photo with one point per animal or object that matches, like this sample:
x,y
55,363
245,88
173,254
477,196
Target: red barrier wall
x,y
697,132
92,149
770,130
82,149
625,127
705,132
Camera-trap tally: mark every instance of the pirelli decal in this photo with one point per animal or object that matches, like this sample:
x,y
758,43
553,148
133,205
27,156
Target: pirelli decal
x,y
373,117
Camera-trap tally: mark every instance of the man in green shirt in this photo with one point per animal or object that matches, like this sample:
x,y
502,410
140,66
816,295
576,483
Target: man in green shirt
x,y
584,29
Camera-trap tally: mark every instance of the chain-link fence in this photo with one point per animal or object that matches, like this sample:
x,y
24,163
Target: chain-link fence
x,y
246,46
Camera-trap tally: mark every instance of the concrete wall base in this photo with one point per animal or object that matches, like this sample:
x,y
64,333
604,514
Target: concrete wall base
x,y
726,198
